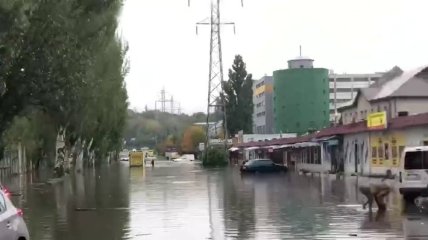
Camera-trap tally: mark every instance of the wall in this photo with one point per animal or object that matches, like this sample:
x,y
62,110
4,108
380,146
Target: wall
x,y
323,166
358,112
263,109
380,151
343,87
269,120
301,63
356,150
413,106
301,100
391,106
263,137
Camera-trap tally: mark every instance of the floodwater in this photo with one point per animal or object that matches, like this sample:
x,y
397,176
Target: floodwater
x,y
184,201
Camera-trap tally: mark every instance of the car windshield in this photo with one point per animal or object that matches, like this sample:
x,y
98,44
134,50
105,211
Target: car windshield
x,y
416,160
259,162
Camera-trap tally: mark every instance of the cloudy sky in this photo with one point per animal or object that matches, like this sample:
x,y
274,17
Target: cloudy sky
x,y
352,36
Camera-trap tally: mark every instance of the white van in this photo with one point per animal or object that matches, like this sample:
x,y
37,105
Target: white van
x,y
413,174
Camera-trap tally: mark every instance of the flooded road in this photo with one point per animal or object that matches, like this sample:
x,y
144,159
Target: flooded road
x,y
184,201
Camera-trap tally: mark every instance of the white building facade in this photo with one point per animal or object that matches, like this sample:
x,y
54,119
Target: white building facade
x,y
344,87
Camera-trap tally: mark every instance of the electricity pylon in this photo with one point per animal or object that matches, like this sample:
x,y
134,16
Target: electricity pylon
x,y
215,79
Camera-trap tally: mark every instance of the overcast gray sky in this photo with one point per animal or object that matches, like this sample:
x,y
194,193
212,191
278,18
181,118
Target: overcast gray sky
x,y
352,36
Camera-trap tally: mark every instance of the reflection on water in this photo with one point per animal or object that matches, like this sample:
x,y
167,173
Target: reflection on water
x,y
183,201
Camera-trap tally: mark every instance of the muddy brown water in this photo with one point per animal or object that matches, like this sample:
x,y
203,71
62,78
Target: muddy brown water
x,y
185,201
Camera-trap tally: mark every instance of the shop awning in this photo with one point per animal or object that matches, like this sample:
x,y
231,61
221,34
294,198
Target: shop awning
x,y
252,148
233,149
324,139
271,147
306,144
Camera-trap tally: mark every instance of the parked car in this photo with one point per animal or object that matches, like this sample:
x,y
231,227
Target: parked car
x,y
413,173
12,225
262,165
5,191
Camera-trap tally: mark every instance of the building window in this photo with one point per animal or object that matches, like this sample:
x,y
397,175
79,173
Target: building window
x,y
394,152
317,155
380,151
374,152
386,151
343,79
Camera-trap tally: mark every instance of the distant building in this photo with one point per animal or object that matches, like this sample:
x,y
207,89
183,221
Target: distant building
x,y
301,99
263,106
397,93
245,138
344,87
214,129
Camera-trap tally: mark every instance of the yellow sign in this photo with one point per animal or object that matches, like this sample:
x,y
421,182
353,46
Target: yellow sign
x,y
260,90
377,120
136,159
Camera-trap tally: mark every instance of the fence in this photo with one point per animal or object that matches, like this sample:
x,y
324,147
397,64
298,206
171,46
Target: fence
x,y
14,162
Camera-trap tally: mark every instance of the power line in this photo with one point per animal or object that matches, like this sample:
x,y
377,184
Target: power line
x,y
215,79
164,100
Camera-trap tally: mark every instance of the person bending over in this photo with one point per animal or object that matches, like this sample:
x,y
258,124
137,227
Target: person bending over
x,y
377,192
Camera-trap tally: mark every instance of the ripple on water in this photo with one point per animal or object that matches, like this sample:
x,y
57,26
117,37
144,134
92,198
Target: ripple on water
x,y
183,201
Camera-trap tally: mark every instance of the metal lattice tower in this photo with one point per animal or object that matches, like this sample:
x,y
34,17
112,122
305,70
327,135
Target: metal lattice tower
x,y
215,78
215,71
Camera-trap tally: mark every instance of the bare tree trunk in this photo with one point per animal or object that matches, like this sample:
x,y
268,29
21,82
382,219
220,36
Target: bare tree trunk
x,y
19,158
79,150
60,153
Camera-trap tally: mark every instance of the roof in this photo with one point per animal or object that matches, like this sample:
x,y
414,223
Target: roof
x,y
266,79
414,149
395,83
353,128
404,84
298,58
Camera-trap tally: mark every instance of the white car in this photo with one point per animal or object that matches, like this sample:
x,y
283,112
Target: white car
x,y
12,225
413,174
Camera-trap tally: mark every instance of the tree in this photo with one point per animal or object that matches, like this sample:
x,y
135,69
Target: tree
x,y
238,98
63,61
193,135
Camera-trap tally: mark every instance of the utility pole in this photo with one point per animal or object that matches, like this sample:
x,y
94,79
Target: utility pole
x,y
164,101
215,78
172,104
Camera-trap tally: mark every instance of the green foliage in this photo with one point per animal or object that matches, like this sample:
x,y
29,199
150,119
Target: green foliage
x,y
215,157
159,130
191,139
238,98
62,60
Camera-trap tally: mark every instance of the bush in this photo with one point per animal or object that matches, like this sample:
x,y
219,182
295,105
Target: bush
x,y
216,158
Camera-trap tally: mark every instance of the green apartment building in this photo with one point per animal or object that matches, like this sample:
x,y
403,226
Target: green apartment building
x,y
301,97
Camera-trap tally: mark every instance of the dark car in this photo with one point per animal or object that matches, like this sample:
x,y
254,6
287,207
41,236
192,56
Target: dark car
x,y
261,166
